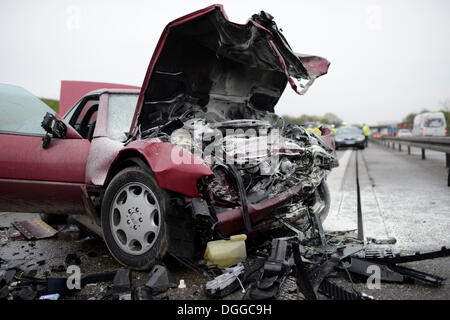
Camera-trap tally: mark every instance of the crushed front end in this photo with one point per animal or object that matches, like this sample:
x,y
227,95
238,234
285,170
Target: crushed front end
x,y
261,171
211,88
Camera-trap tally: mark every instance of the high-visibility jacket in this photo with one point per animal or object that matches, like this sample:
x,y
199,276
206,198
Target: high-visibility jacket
x,y
366,130
315,130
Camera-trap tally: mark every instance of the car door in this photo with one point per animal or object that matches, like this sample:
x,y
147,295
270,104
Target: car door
x,y
34,179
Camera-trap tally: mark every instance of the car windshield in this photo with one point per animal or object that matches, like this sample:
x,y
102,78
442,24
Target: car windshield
x,y
21,111
349,130
434,123
121,109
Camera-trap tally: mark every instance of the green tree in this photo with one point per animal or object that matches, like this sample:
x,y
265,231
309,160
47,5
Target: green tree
x,y
331,118
410,117
327,118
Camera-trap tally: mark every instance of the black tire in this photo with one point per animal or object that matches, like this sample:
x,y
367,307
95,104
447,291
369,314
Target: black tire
x,y
159,245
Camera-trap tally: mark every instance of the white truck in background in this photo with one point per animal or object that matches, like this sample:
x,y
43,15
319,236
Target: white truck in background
x,y
429,124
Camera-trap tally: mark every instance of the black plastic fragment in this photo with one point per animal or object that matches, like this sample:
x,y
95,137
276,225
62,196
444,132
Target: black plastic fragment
x,y
303,283
319,273
97,277
242,195
25,293
276,269
4,290
200,207
444,252
142,293
171,126
335,292
46,140
419,276
160,279
360,267
122,280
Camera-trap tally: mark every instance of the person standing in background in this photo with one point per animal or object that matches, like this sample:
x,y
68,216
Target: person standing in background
x,y
366,132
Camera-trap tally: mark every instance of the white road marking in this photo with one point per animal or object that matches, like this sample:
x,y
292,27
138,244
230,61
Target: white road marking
x,y
335,181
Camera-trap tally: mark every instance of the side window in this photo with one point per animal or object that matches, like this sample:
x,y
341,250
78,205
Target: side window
x,y
121,107
20,111
69,114
84,117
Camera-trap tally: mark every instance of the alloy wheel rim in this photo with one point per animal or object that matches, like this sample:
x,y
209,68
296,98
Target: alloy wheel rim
x,y
135,218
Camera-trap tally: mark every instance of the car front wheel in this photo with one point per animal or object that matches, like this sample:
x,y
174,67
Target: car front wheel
x,y
133,218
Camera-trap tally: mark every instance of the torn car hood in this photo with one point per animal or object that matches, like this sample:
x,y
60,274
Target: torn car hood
x,y
206,57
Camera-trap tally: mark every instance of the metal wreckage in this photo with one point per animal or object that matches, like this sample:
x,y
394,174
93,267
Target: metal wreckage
x,y
205,122
223,85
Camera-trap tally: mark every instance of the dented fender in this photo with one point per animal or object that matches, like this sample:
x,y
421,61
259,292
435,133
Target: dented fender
x,y
173,167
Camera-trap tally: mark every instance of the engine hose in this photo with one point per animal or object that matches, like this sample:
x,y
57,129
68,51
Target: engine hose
x,y
242,195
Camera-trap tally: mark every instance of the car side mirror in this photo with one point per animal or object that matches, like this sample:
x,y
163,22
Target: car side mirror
x,y
58,129
53,127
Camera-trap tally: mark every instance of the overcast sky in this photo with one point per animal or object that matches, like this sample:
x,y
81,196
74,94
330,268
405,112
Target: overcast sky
x,y
388,58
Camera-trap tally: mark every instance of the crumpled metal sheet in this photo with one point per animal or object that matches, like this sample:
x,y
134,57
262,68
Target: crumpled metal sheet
x,y
34,229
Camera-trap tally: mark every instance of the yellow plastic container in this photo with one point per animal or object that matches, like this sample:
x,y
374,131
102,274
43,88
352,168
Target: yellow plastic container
x,y
225,253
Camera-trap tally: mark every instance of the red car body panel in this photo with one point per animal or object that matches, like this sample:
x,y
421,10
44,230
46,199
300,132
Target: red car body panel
x,y
35,179
41,197
178,176
316,66
64,160
174,168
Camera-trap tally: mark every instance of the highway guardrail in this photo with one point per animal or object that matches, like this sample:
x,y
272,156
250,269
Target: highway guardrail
x,y
441,144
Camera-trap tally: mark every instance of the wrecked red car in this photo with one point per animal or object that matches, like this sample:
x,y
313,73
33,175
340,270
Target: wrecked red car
x,y
196,154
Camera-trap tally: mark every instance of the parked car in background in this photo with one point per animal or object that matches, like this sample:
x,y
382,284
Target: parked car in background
x,y
404,133
349,137
430,124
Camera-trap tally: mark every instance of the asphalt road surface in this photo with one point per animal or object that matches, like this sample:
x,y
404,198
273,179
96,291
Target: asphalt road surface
x,y
402,197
